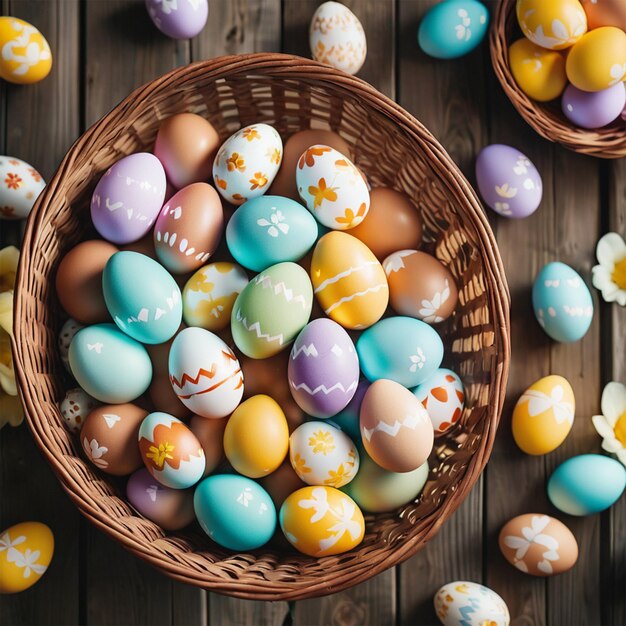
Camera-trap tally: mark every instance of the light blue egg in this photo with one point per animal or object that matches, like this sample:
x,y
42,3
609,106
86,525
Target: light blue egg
x,y
562,302
109,365
269,230
453,28
142,297
586,484
400,348
234,511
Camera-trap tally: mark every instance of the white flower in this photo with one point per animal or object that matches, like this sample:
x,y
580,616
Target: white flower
x,y
95,453
533,534
617,73
539,402
522,164
394,262
430,308
505,191
318,503
503,208
417,360
462,30
245,497
28,560
6,544
610,276
345,524
611,425
276,223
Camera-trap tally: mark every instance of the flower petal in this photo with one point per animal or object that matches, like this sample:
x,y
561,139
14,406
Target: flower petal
x,y
602,426
613,402
621,455
610,248
612,445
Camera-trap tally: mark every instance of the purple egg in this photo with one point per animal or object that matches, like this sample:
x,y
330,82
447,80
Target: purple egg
x,y
508,181
128,198
593,110
178,19
323,369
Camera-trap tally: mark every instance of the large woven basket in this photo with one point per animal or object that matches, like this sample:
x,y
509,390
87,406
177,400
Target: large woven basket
x,y
393,149
547,118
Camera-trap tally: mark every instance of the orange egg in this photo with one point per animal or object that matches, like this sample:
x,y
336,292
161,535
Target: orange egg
x,y
605,13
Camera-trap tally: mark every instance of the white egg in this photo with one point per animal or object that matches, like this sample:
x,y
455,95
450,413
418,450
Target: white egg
x,y
20,185
68,330
460,603
75,407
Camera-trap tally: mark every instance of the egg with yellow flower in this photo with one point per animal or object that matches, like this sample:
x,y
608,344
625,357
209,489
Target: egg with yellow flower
x,y
25,55
552,24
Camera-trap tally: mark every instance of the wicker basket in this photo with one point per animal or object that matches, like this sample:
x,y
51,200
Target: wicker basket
x,y
547,119
393,149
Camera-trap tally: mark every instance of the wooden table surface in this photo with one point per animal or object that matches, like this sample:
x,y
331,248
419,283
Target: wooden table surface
x,y
103,49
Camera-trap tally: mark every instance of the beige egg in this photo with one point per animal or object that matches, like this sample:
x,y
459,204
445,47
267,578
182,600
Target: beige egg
x,y
75,407
66,334
210,434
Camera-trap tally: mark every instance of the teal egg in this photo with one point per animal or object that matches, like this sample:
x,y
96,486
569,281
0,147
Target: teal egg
x,y
268,230
109,365
586,484
235,511
453,28
402,349
142,297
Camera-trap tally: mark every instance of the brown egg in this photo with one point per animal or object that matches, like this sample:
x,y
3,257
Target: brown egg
x,y
538,545
145,246
285,182
420,286
210,434
605,13
79,281
186,145
281,483
395,428
109,438
392,223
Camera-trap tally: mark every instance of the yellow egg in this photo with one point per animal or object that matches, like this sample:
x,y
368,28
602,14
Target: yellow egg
x,y
598,60
25,552
543,416
320,521
540,73
25,55
256,438
552,24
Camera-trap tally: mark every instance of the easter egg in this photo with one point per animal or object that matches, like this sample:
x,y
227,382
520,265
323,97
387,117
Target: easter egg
x,y
235,512
321,521
348,281
348,419
183,19
605,13
142,297
128,198
562,302
403,349
20,186
586,484
443,397
75,407
593,109
321,454
26,550
247,163
323,368
337,38
66,334
25,56
210,434
282,483
457,600
271,310
109,365
332,188
538,545
452,29
552,24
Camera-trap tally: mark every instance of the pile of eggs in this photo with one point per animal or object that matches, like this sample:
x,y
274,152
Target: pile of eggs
x,y
259,349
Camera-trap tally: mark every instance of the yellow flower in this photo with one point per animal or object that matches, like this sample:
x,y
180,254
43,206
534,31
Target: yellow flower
x,y
259,180
236,162
251,133
160,454
349,218
322,441
322,192
338,478
274,155
299,465
199,282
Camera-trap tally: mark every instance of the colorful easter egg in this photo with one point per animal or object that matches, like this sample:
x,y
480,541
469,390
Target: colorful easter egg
x,y
552,24
348,419
20,186
593,109
282,483
605,13
457,600
66,334
75,407
183,19
210,434
25,56
443,397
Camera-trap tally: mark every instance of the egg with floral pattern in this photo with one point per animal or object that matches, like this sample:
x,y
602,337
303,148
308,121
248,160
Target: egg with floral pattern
x,y
552,24
443,397
457,600
25,56
20,186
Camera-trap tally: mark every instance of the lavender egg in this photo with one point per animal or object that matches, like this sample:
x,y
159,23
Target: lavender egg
x,y
508,181
178,19
323,369
128,198
593,110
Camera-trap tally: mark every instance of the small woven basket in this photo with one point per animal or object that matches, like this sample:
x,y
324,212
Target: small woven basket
x,y
394,150
547,118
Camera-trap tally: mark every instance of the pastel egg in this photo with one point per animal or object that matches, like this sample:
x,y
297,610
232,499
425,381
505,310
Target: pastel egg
x,y
109,365
179,20
594,109
443,397
348,281
538,545
66,334
210,434
282,483
271,310
26,56
20,186
170,451
310,516
348,419
552,24
586,484
332,188
235,512
247,163
204,373
75,407
323,368
321,454
605,13
456,600
562,302
128,198
27,550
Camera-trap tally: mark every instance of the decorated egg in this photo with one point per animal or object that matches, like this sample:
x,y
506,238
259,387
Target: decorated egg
x,y
348,419
443,397
348,281
281,483
605,13
337,38
210,434
562,302
25,56
66,334
128,198
204,373
235,512
321,521
458,599
593,109
75,407
552,24
20,185
183,19
271,310
247,163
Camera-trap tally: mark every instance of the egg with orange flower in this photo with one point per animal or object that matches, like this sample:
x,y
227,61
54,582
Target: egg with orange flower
x,y
20,185
443,397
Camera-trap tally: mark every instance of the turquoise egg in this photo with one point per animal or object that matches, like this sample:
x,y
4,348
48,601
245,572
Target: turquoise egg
x,y
402,349
269,230
562,302
453,28
109,365
234,511
142,297
586,484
